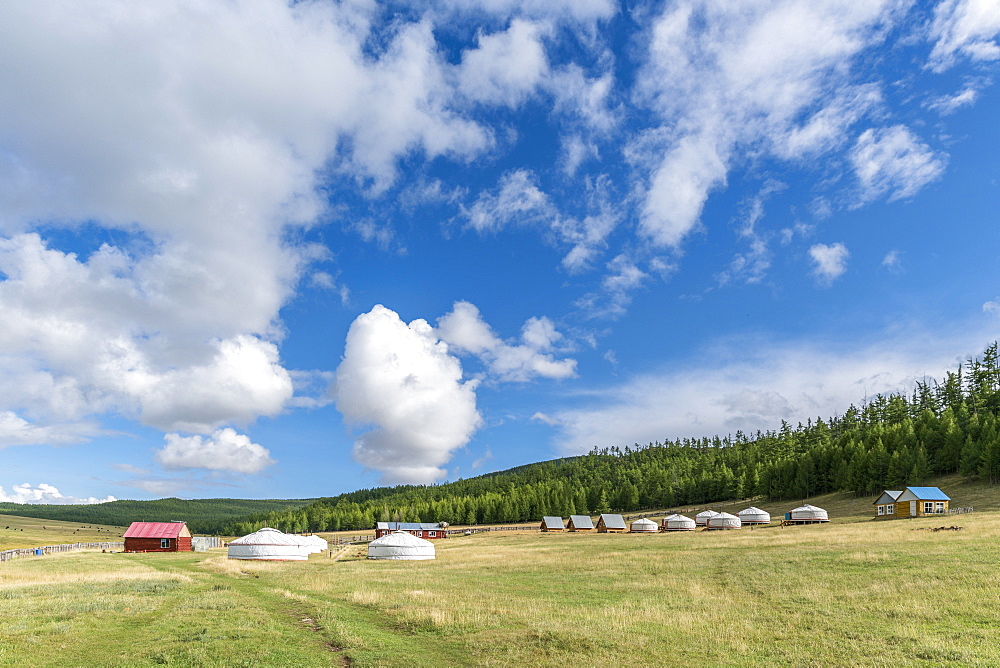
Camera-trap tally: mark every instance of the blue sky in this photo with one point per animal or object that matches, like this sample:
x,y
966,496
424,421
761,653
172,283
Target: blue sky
x,y
280,250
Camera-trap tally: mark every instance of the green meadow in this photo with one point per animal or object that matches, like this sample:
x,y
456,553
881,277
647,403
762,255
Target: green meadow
x,y
21,532
849,593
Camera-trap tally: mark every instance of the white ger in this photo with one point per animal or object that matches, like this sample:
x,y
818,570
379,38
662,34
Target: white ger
x,y
269,544
400,545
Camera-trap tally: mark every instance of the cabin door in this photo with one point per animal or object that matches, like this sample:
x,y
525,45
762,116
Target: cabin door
x,y
913,508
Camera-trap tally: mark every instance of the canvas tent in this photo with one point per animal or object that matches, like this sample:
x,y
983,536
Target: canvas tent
x,y
701,519
401,545
677,522
316,544
807,514
269,544
754,515
643,526
724,521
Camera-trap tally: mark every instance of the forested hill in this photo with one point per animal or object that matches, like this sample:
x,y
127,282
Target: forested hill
x,y
202,515
941,427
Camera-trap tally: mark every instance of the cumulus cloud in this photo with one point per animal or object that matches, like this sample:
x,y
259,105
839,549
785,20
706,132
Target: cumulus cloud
x,y
964,27
830,261
45,494
464,330
752,385
893,162
398,383
224,450
506,67
724,77
195,138
992,306
15,430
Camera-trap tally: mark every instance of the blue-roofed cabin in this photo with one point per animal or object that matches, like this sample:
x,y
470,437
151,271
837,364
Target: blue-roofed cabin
x,y
580,523
911,502
885,505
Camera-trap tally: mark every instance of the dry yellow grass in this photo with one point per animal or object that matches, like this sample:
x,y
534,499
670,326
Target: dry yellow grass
x,y
849,593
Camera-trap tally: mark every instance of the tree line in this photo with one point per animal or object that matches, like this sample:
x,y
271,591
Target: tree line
x,y
211,516
890,442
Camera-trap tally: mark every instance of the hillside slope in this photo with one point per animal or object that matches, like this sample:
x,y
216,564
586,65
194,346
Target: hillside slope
x,y
202,515
945,428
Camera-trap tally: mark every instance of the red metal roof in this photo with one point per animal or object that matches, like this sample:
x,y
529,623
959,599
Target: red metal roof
x,y
154,530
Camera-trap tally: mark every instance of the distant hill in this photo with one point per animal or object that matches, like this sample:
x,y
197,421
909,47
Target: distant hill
x,y
201,515
942,428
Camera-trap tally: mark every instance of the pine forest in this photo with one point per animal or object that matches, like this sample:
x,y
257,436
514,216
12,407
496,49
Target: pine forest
x,y
892,441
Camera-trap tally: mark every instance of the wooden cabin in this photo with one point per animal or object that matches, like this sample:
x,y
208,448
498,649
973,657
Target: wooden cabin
x,y
885,505
611,523
580,523
418,529
911,502
157,537
551,523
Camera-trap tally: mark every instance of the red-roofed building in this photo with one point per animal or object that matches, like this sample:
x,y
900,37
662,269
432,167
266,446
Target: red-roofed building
x,y
157,537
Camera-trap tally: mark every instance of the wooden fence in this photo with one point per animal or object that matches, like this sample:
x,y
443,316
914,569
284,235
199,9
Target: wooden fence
x,y
7,555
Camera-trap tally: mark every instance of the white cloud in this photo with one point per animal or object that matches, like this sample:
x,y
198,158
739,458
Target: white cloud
x,y
585,12
195,137
966,27
949,104
544,419
893,161
506,67
517,201
893,261
15,430
722,77
830,261
45,494
751,385
479,462
224,450
464,330
399,382
992,307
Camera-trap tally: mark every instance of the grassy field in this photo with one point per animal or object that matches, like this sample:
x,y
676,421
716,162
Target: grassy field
x,y
17,532
852,592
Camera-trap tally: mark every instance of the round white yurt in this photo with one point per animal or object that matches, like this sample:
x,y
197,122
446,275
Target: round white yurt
x,y
754,515
701,519
643,525
269,545
400,545
316,544
724,521
677,522
808,513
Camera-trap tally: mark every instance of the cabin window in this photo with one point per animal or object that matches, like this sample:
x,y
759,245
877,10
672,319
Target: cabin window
x,y
164,543
432,534
939,507
928,507
881,510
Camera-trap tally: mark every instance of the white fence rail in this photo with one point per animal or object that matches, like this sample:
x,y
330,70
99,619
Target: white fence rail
x,y
7,555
